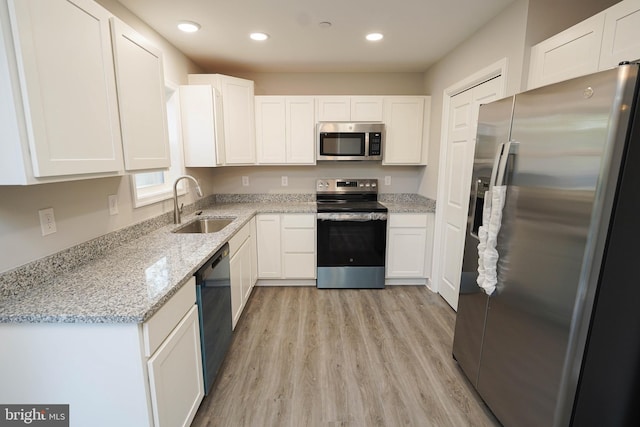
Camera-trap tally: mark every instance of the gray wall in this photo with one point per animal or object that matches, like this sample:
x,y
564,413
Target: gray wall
x,y
503,37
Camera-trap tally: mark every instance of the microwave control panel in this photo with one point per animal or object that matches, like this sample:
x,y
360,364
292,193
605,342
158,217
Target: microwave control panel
x,y
375,143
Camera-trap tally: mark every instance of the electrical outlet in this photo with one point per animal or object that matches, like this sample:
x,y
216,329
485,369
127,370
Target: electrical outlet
x,y
113,205
285,181
47,221
245,181
387,180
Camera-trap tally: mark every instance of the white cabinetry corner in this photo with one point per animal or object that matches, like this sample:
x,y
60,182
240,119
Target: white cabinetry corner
x,y
286,247
202,126
238,116
67,113
406,120
571,53
285,129
141,99
148,374
409,241
595,44
621,34
59,112
242,265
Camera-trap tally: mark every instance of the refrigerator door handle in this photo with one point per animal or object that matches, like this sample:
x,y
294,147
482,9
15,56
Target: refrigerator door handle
x,y
508,149
496,163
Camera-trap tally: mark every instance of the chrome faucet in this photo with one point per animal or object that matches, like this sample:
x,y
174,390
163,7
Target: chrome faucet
x,y
178,210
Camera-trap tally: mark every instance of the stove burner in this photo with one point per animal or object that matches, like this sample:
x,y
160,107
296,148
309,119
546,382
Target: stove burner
x,y
360,195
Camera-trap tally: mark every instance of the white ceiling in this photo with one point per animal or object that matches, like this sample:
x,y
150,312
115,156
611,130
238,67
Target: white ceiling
x,y
417,32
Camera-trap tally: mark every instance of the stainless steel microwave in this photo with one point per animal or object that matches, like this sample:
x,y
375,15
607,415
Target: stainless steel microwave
x,y
350,141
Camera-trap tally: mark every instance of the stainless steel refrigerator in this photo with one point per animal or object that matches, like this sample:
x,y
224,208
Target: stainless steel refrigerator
x,y
557,343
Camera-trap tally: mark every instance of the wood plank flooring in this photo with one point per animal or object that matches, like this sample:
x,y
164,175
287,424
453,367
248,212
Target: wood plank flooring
x,y
308,357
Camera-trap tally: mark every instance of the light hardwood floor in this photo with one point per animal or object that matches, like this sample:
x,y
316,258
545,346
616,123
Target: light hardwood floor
x,y
308,357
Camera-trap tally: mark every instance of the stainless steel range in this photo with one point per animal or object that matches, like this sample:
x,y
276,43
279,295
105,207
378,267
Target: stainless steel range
x,y
352,234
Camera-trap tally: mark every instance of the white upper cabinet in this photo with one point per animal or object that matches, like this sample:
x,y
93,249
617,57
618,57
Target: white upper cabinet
x,y
238,116
621,35
349,108
406,120
59,113
597,43
202,126
366,108
334,108
285,129
271,131
141,99
572,53
300,123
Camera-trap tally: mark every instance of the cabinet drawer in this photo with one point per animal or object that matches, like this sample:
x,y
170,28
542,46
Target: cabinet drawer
x,y
298,240
160,325
298,221
408,220
238,239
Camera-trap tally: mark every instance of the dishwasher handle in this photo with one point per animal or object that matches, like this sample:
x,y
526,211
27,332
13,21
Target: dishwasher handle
x,y
206,270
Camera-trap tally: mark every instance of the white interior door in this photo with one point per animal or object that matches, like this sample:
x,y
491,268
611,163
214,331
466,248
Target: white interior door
x,y
460,146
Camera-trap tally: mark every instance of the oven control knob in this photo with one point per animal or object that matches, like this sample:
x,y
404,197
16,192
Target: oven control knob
x,y
350,259
367,185
373,184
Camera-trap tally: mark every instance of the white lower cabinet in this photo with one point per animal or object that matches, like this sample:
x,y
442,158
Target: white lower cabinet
x,y
241,264
409,242
110,374
286,246
175,375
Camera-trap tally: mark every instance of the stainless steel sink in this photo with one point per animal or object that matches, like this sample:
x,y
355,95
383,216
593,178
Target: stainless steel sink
x,y
204,225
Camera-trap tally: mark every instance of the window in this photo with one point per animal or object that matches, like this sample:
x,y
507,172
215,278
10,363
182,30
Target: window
x,y
155,186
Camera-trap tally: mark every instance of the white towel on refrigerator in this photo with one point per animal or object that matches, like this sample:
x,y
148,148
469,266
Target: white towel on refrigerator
x,y
488,236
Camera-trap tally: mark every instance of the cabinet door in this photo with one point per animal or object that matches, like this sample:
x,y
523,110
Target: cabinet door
x,y
254,251
175,374
269,246
406,252
68,84
334,108
404,118
621,35
300,124
247,286
571,53
236,266
202,126
239,120
141,101
366,108
271,129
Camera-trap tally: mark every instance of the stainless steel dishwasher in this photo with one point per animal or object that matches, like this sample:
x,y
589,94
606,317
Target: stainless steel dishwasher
x,y
213,291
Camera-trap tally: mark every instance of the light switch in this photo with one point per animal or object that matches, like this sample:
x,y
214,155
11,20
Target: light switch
x,y
285,181
245,181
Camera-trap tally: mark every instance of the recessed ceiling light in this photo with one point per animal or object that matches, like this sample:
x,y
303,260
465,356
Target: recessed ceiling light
x,y
325,24
188,26
259,36
374,37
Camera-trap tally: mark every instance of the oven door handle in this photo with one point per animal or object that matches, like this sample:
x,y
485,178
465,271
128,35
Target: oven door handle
x,y
352,216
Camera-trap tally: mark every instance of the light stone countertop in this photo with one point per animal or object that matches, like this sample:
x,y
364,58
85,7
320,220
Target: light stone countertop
x,y
129,283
